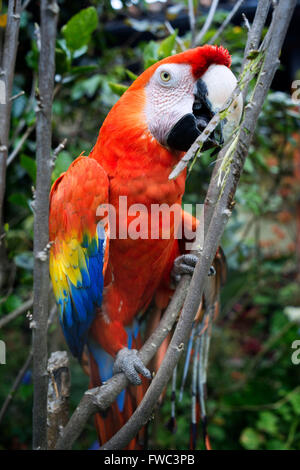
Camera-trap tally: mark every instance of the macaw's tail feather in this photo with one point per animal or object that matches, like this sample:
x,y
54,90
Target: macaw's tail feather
x,y
197,352
111,420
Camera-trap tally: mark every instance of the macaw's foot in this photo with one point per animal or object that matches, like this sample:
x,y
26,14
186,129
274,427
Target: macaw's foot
x,y
128,361
185,264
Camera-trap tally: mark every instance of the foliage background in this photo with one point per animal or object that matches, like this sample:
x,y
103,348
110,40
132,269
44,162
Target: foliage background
x,y
254,399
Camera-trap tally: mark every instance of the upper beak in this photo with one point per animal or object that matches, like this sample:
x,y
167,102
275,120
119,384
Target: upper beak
x,y
210,93
191,125
203,113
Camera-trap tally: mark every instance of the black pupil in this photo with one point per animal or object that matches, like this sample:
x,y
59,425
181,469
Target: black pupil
x,y
166,75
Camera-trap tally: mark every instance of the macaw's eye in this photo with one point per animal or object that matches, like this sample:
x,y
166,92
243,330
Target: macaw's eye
x,y
165,76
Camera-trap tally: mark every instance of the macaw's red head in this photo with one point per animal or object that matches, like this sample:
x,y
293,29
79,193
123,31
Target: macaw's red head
x,y
184,91
175,98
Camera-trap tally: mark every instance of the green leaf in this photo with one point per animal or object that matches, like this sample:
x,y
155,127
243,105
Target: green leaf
x,y
248,166
19,199
267,422
62,62
87,87
80,27
250,439
12,302
294,399
83,69
29,165
150,54
167,45
117,88
131,75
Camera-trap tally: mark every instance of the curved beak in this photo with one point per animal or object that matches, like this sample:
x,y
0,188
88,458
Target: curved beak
x,y
211,92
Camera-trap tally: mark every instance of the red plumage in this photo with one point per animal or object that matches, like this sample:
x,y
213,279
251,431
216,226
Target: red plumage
x,y
136,272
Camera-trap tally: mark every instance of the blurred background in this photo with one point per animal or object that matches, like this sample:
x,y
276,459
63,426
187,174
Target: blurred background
x,y
253,385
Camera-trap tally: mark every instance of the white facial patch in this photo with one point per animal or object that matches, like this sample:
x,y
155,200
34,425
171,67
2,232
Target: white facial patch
x,y
169,98
220,83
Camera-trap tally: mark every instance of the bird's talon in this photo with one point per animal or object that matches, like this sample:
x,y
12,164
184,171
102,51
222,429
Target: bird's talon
x,y
184,264
128,362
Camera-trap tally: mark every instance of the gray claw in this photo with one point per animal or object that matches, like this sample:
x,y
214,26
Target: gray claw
x,y
184,264
128,361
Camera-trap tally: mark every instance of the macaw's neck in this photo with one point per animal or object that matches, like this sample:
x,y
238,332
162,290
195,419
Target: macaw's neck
x,y
133,159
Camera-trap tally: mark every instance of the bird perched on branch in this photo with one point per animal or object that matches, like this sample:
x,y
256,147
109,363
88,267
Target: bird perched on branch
x,y
106,265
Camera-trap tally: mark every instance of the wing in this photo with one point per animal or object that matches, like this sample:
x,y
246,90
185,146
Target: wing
x,y
79,247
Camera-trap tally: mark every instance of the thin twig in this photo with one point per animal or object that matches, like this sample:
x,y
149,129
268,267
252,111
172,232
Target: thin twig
x,y
14,97
16,313
25,4
15,386
208,22
57,150
171,30
49,15
24,368
20,144
192,21
246,22
226,22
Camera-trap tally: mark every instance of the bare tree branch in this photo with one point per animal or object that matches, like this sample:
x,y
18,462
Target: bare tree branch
x,y
58,395
208,22
217,225
19,145
49,14
171,30
7,75
192,20
16,313
254,36
7,69
226,22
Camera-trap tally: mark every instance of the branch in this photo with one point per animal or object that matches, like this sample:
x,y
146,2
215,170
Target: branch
x,y
255,34
15,386
49,14
216,228
192,21
7,69
208,22
226,22
171,30
19,145
58,395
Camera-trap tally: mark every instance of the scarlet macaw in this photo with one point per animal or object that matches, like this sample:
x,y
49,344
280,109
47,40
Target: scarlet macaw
x,y
104,285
